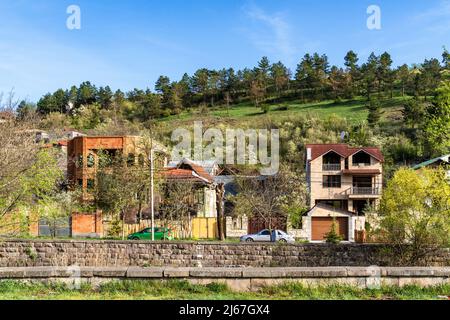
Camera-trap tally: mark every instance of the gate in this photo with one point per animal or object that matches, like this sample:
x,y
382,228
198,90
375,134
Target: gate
x,y
256,224
59,227
204,228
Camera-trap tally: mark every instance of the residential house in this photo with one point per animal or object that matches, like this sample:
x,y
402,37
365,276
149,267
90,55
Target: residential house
x,y
83,156
202,174
439,162
342,181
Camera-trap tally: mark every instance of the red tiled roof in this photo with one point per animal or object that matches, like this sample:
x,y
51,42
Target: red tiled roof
x,y
342,149
184,174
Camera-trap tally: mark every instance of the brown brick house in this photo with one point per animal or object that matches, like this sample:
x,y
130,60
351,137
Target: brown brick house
x,y
83,160
341,181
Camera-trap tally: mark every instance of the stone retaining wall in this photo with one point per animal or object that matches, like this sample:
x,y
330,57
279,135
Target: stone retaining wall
x,y
239,279
21,253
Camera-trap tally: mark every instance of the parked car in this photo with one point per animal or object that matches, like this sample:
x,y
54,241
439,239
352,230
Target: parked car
x,y
146,234
264,236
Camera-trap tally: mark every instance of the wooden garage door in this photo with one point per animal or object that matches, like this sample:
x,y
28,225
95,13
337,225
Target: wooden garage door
x,y
322,225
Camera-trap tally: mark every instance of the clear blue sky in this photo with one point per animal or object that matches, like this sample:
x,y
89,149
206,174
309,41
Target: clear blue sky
x,y
128,44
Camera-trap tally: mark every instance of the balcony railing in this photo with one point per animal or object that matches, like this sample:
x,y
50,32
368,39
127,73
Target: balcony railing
x,y
361,164
365,191
331,166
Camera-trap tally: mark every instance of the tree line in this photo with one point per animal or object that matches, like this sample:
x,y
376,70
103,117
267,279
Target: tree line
x,y
313,80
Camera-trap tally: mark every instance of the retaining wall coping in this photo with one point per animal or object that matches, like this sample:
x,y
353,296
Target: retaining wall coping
x,y
221,272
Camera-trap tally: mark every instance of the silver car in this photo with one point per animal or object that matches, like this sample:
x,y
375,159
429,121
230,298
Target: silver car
x,y
264,236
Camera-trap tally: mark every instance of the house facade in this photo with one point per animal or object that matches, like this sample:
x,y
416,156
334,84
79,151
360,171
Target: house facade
x,y
83,157
201,175
342,181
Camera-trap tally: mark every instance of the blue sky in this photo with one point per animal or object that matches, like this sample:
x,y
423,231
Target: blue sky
x,y
128,44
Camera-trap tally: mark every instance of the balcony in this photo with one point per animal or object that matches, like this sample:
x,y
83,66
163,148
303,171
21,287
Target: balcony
x,y
364,192
331,167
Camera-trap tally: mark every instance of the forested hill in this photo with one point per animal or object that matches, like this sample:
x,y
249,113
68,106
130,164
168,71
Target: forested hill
x,y
403,110
314,80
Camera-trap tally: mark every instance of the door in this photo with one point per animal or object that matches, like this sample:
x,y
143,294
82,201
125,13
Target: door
x,y
145,234
320,226
263,236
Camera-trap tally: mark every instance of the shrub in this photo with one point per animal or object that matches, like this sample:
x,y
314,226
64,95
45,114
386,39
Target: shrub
x,y
333,236
415,215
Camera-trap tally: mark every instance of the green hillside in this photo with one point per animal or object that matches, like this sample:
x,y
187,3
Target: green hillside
x,y
353,110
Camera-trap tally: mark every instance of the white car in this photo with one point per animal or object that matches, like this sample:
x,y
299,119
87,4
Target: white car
x,y
264,236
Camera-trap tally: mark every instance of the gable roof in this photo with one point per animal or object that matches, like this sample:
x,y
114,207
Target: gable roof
x,y
188,170
209,166
318,150
328,208
444,158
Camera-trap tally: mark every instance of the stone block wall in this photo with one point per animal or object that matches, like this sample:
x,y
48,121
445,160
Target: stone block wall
x,y
21,253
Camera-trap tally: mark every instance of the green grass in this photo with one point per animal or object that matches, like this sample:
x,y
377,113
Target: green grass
x,y
353,110
180,290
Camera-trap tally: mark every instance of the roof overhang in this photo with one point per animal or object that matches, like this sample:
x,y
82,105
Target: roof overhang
x,y
362,171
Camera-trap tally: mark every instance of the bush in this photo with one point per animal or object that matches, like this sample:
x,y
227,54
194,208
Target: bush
x,y
265,108
415,215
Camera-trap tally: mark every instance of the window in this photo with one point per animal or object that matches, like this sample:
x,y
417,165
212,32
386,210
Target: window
x,y
331,161
199,197
331,181
79,161
131,160
108,156
90,160
90,184
337,204
362,182
265,233
361,158
80,183
141,160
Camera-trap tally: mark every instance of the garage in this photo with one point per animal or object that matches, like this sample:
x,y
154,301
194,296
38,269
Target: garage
x,y
320,226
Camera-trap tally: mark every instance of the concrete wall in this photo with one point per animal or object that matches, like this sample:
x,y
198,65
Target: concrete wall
x,y
239,279
236,226
18,253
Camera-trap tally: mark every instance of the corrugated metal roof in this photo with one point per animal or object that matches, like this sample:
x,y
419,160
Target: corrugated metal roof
x,y
444,158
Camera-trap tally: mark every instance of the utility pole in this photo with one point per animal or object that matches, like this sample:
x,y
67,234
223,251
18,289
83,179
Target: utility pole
x,y
220,191
152,202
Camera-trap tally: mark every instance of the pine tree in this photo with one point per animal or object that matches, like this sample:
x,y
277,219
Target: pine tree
x,y
375,112
333,236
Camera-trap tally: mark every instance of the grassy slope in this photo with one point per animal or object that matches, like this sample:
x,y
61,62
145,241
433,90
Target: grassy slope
x,y
175,289
352,110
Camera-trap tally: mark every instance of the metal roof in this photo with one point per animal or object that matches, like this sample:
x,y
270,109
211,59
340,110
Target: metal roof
x,y
444,158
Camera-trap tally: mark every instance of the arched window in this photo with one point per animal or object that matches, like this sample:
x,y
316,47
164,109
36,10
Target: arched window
x,y
79,162
131,159
90,160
